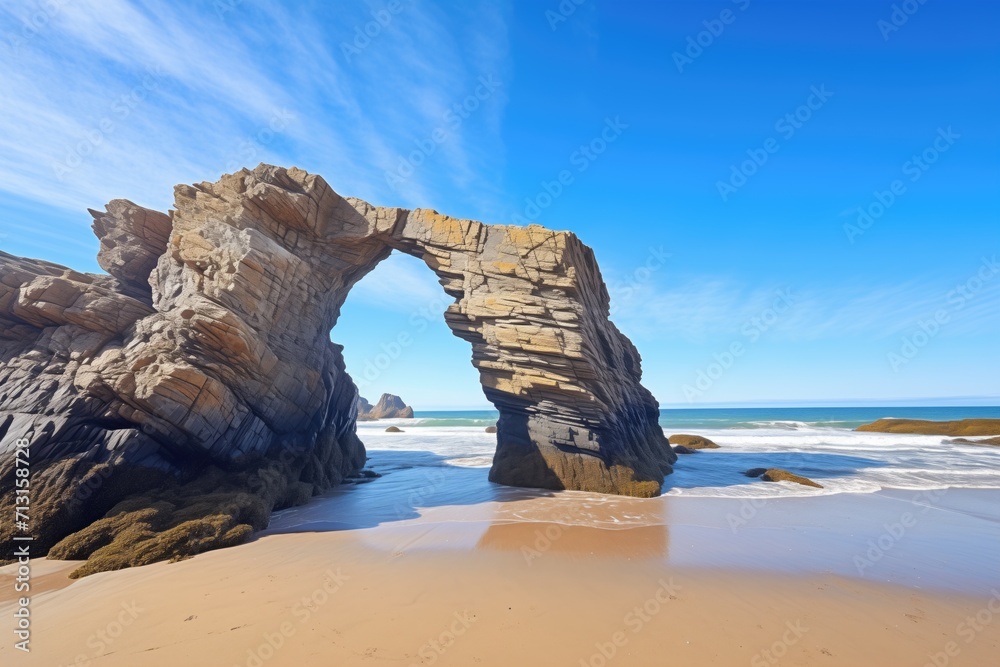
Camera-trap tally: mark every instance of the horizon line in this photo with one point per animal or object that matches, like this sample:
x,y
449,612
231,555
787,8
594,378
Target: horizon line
x,y
903,403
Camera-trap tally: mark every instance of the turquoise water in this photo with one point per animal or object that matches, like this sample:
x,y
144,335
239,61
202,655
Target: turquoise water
x,y
455,417
723,418
829,417
820,443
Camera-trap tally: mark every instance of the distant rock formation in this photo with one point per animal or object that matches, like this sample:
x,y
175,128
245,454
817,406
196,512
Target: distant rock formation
x,y
364,409
172,404
389,406
966,427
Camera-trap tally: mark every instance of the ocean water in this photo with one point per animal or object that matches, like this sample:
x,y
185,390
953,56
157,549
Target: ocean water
x,y
819,443
434,493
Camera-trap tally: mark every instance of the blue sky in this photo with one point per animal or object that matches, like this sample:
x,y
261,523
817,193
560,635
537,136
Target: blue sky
x,y
793,202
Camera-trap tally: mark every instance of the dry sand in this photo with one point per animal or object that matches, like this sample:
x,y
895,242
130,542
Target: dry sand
x,y
528,594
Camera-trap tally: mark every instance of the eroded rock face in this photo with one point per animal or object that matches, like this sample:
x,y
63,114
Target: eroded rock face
x,y
207,351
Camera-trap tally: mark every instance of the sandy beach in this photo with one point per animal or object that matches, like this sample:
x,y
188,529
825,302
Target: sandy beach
x,y
431,564
425,591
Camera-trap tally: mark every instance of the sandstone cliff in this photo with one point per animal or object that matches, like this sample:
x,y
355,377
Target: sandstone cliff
x,y
172,404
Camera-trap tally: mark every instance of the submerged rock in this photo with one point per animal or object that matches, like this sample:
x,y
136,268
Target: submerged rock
x,y
755,472
692,441
981,441
394,429
491,429
681,449
779,475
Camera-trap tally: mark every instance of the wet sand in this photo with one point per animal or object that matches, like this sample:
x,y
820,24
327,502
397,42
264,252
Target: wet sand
x,y
526,593
433,566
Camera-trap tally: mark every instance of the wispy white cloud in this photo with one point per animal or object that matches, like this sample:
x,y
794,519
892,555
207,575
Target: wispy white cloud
x,y
400,283
699,309
119,98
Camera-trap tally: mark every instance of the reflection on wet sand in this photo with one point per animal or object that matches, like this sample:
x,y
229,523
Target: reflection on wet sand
x,y
534,540
585,526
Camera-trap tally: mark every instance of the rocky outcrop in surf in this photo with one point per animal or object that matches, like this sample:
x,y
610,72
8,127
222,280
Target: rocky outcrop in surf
x,y
779,475
195,388
964,427
692,442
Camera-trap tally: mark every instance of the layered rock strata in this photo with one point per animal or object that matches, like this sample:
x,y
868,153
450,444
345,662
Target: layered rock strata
x,y
172,404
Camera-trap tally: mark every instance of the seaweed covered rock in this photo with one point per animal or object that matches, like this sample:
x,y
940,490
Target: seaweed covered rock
x,y
692,441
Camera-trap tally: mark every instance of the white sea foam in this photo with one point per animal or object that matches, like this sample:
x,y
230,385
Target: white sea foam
x,y
842,460
434,491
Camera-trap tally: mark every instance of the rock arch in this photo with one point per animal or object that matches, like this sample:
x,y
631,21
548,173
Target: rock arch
x,y
208,346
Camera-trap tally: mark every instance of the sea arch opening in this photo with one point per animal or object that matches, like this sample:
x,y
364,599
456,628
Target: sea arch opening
x,y
534,307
